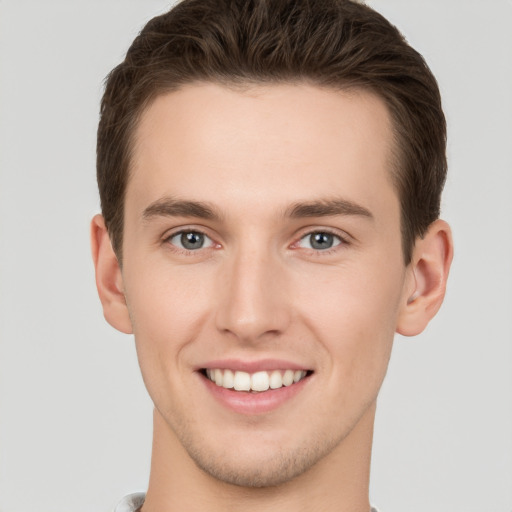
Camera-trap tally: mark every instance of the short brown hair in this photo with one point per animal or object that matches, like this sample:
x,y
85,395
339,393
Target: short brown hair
x,y
338,44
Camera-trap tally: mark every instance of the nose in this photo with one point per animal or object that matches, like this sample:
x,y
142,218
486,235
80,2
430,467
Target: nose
x,y
253,302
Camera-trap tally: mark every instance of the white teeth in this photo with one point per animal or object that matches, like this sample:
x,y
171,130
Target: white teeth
x,y
276,380
228,380
258,382
288,377
242,381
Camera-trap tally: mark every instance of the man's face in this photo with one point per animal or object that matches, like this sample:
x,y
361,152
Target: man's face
x,y
261,247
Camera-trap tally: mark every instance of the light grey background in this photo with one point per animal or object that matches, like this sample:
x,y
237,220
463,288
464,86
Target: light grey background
x,y
75,422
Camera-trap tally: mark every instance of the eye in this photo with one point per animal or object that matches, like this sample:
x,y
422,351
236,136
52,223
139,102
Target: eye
x,y
320,241
190,240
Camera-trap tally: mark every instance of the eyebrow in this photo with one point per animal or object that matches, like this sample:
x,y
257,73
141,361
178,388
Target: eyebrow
x,y
327,208
170,207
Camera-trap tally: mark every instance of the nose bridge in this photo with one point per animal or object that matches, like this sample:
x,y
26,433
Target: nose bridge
x,y
254,300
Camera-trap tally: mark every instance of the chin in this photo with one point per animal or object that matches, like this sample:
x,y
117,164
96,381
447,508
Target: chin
x,y
258,466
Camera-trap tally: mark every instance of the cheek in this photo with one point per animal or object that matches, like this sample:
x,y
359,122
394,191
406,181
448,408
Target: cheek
x,y
167,310
166,302
353,314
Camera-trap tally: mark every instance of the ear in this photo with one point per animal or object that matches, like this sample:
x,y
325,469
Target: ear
x,y
109,279
426,282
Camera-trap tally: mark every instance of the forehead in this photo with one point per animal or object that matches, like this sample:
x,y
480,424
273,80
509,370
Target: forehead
x,y
264,144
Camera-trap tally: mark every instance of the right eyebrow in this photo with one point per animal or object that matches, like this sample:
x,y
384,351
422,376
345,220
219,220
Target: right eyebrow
x,y
170,207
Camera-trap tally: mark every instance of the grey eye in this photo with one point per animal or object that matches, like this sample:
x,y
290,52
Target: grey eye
x,y
191,240
320,241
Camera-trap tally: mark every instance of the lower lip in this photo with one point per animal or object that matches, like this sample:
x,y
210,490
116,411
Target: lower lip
x,y
243,402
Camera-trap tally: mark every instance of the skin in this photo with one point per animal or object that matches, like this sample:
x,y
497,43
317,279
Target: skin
x,y
258,289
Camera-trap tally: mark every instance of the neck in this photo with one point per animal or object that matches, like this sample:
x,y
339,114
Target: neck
x,y
339,482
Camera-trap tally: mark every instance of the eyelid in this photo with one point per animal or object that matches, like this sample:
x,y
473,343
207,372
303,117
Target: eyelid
x,y
169,235
345,238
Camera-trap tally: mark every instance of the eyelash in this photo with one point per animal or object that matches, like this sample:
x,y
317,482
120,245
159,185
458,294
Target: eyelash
x,y
188,252
343,241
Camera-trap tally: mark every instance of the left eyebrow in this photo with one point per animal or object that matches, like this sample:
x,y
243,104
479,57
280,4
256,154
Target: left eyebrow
x,y
327,208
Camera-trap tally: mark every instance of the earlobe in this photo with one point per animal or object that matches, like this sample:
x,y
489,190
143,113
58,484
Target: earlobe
x,y
109,279
428,274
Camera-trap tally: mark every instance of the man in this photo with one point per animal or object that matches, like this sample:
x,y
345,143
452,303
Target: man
x,y
270,176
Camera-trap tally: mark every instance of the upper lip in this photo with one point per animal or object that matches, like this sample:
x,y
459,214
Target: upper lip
x,y
252,366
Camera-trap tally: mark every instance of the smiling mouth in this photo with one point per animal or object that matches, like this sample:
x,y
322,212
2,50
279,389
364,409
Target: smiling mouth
x,y
257,382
